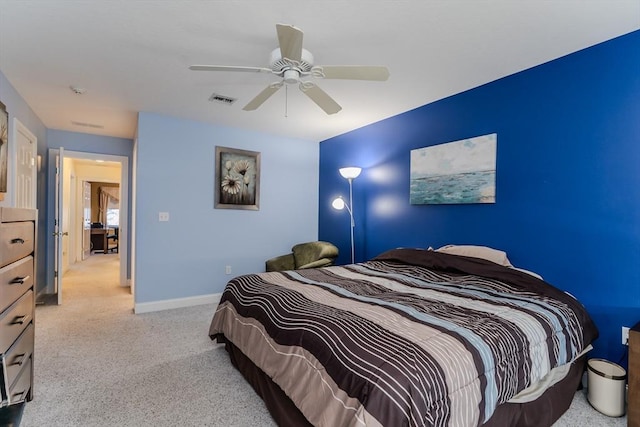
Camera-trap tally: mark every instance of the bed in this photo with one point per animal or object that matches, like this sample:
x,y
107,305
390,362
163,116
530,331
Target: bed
x,y
410,338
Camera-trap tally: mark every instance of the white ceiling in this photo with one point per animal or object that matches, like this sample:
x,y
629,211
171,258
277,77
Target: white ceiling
x,y
133,55
95,163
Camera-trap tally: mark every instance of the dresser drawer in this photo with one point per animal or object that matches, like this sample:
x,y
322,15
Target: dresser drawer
x,y
19,353
14,320
19,390
16,241
15,279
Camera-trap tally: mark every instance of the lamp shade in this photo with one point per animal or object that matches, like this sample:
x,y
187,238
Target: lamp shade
x,y
338,203
350,172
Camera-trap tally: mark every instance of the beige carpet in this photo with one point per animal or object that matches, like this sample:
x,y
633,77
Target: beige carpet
x,y
97,364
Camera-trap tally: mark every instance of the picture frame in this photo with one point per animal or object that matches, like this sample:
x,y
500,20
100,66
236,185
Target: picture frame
x,y
458,172
4,150
237,179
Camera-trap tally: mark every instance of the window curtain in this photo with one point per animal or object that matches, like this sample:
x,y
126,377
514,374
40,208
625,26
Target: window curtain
x,y
109,199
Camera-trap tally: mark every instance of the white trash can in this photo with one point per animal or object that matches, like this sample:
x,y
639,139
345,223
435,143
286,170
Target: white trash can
x,y
606,387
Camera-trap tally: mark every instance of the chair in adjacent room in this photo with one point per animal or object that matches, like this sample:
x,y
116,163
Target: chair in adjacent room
x,y
112,240
304,255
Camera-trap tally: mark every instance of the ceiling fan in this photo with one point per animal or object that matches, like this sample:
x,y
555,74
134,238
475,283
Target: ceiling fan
x,y
291,62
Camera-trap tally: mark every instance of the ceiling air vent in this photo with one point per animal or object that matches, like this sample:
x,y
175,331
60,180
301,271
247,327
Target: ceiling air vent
x,y
87,125
221,99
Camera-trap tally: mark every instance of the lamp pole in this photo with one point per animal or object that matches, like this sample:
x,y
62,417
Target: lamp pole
x,y
349,173
353,224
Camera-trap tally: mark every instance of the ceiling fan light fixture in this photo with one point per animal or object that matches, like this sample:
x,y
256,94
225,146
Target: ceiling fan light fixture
x,y
291,76
279,64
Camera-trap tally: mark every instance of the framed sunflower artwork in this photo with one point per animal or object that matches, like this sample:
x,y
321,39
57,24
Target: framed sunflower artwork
x,y
237,180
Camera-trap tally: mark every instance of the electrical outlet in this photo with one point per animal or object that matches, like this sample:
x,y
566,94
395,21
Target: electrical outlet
x,y
227,270
625,335
163,216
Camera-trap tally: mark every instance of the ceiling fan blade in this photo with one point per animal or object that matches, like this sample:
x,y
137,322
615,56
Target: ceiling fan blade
x,y
229,68
290,40
262,97
320,97
352,72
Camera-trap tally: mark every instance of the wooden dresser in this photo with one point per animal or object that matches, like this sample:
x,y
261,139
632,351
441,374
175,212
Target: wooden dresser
x,y
633,398
17,303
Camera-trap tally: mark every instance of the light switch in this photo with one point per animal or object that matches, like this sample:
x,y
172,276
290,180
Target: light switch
x,y
163,216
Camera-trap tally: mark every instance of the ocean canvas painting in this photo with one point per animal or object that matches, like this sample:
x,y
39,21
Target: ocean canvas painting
x,y
457,172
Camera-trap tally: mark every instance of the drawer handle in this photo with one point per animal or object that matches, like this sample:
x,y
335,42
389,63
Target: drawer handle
x,y
19,362
19,320
18,396
19,280
17,240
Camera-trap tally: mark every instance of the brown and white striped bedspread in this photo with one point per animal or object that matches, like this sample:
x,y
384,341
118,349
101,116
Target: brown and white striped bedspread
x,y
410,338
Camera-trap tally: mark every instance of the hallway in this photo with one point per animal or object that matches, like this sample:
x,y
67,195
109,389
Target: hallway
x,y
95,277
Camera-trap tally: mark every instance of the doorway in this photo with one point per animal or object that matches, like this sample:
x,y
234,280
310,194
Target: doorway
x,y
78,171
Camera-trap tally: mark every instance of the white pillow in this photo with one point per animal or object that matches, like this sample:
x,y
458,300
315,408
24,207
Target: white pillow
x,y
484,252
528,272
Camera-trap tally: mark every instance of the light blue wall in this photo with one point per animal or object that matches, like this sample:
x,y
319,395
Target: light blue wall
x,y
48,138
79,142
18,108
186,256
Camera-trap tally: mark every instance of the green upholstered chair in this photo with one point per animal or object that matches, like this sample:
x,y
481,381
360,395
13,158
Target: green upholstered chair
x,y
304,255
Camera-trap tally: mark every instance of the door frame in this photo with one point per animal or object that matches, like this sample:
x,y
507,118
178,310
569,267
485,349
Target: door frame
x,y
59,222
123,238
84,188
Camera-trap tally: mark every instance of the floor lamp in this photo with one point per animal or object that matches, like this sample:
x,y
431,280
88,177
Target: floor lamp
x,y
350,174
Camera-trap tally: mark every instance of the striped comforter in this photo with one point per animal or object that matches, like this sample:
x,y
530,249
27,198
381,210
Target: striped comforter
x,y
412,337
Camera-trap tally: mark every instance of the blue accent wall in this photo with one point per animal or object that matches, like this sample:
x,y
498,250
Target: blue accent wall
x,y
568,179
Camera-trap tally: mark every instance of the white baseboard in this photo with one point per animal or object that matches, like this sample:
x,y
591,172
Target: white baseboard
x,y
168,304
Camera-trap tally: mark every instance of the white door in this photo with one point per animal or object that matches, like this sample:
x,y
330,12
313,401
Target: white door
x,y
59,233
86,219
27,150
